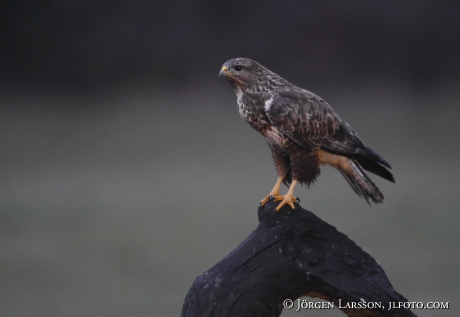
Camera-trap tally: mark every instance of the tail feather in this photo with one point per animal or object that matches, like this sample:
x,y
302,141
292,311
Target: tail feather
x,y
360,182
376,169
370,154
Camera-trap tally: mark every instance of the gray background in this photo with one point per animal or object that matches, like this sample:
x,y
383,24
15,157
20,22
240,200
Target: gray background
x,y
126,171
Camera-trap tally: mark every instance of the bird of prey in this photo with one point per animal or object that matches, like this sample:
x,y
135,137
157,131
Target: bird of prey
x,y
302,131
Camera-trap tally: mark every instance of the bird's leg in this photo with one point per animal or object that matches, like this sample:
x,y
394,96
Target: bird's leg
x,y
288,198
275,193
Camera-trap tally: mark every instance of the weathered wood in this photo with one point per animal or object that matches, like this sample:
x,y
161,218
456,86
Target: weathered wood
x,y
291,253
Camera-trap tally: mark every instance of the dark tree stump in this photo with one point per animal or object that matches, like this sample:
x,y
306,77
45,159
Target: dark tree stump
x,y
291,254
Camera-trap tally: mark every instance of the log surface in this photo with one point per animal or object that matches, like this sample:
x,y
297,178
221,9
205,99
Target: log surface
x,y
292,253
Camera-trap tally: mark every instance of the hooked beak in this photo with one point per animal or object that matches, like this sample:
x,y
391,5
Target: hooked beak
x,y
223,72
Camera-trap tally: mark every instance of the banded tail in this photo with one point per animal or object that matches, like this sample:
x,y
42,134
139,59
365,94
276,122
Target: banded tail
x,y
360,182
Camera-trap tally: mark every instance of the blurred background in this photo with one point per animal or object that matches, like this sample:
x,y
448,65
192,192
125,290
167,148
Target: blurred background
x,y
126,171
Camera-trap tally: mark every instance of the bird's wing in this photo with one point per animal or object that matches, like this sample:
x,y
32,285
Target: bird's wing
x,y
310,122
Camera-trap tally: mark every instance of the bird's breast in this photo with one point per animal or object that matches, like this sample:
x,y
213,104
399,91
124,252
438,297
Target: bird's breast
x,y
252,111
274,136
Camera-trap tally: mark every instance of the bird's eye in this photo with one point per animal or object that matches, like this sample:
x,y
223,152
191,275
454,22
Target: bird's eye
x,y
238,68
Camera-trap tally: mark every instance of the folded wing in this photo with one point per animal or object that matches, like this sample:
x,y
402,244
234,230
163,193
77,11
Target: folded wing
x,y
310,122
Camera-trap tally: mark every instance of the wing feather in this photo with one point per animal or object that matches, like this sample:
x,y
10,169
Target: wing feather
x,y
310,122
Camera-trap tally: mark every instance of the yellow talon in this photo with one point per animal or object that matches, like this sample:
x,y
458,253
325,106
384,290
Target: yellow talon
x,y
264,201
286,199
274,193
270,196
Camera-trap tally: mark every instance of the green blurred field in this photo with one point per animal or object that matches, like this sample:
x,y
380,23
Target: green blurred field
x,y
111,205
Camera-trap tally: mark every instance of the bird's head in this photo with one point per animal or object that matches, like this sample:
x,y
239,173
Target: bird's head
x,y
245,74
242,73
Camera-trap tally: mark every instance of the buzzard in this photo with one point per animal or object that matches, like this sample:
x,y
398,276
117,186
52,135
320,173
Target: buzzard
x,y
302,131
